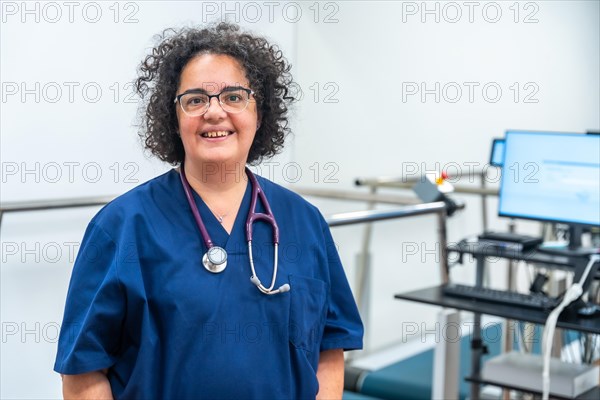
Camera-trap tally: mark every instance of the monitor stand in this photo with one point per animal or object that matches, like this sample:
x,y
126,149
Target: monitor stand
x,y
574,248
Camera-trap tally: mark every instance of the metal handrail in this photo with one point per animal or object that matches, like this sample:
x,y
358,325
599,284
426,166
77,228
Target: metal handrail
x,y
335,220
356,196
408,183
33,205
379,181
341,219
357,217
52,204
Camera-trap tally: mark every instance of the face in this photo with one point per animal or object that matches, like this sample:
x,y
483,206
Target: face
x,y
216,136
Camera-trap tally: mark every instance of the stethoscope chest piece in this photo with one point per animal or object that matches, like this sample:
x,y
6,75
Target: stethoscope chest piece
x,y
215,259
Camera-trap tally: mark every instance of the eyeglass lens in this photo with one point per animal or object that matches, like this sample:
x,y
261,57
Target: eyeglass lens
x,y
232,101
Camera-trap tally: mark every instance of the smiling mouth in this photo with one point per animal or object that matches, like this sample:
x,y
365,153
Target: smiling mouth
x,y
216,134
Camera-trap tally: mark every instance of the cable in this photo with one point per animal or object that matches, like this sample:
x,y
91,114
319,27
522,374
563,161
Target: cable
x,y
572,294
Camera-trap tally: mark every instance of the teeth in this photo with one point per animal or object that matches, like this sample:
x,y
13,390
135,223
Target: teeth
x,y
215,134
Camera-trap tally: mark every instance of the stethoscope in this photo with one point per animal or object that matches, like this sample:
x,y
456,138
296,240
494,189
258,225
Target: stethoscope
x,y
215,259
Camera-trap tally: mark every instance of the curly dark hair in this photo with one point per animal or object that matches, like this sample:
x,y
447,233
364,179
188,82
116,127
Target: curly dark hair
x,y
266,69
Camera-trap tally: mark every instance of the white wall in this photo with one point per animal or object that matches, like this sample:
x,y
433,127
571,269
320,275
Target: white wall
x,y
363,58
56,144
377,52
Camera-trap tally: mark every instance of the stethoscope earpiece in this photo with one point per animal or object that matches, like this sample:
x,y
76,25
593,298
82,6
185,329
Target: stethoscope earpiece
x,y
255,280
284,288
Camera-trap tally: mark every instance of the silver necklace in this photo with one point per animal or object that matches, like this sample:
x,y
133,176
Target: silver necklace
x,y
220,217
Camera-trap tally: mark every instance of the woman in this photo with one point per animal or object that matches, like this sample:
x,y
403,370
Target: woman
x,y
149,314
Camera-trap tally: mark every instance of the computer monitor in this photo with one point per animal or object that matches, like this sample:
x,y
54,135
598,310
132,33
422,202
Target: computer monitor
x,y
552,177
497,155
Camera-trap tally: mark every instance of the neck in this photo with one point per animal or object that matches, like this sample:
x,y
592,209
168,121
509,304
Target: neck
x,y
221,190
216,178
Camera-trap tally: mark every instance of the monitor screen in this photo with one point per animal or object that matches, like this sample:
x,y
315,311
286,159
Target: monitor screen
x,y
497,155
550,176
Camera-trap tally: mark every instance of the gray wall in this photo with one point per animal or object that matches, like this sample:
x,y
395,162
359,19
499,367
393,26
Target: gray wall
x,y
358,65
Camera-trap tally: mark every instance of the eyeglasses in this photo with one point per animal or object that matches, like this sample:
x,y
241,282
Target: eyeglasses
x,y
196,102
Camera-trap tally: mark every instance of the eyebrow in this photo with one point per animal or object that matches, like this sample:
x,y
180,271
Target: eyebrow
x,y
203,91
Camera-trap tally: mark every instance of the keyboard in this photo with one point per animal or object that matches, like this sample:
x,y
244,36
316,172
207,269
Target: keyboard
x,y
535,301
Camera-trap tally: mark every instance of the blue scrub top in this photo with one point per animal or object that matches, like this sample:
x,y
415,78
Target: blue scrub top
x,y
141,303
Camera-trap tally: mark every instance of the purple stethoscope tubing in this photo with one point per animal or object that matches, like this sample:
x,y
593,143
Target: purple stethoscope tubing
x,y
188,193
253,216
220,264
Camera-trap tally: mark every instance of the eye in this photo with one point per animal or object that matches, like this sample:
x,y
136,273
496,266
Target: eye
x,y
195,100
232,97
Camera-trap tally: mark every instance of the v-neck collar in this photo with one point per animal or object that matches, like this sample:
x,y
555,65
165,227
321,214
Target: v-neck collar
x,y
217,233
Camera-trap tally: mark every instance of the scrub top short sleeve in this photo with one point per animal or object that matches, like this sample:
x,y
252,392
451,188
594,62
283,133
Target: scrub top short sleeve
x,y
343,327
94,312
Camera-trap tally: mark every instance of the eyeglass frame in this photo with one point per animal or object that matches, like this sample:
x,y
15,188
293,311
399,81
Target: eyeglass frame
x,y
210,97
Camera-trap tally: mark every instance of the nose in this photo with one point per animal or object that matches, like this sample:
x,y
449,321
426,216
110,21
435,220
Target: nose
x,y
215,111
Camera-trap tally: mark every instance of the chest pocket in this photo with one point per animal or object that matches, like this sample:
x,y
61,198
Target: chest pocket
x,y
307,312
